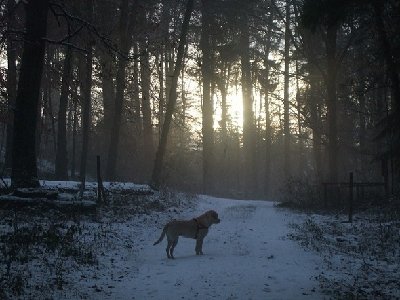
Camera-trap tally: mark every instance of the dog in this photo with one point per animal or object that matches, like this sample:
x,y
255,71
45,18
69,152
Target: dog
x,y
196,228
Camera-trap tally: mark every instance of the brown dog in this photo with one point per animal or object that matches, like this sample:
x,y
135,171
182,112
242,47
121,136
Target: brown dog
x,y
196,228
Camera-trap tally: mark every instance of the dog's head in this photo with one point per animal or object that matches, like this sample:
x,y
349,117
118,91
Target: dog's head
x,y
213,216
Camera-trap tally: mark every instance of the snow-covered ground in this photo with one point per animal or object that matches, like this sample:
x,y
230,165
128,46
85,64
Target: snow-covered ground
x,y
246,256
258,251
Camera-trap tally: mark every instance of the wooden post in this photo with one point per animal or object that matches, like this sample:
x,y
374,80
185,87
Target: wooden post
x,y
100,189
351,184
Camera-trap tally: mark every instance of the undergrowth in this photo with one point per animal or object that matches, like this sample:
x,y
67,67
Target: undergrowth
x,y
42,249
361,259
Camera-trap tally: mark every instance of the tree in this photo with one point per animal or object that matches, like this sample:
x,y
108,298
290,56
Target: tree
x,y
249,131
11,78
286,100
87,69
207,107
145,76
124,44
24,165
61,154
329,14
158,163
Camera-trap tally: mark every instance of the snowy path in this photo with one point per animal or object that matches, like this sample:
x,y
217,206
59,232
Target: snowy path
x,y
247,256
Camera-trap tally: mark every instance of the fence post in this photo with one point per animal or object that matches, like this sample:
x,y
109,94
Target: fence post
x,y
351,185
100,188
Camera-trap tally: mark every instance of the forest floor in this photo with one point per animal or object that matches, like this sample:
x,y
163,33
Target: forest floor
x,y
258,251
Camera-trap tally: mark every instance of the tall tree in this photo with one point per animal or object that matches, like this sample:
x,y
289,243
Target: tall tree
x,y
61,154
86,87
145,76
24,165
158,163
286,100
124,44
328,14
11,78
331,82
249,130
207,107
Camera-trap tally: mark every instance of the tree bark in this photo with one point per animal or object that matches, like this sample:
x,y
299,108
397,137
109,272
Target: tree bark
x,y
61,154
158,164
24,165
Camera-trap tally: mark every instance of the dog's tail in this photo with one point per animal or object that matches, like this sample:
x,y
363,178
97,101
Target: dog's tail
x,y
162,235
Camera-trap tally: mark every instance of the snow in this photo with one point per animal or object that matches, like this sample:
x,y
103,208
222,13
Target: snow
x,y
258,251
247,256
74,185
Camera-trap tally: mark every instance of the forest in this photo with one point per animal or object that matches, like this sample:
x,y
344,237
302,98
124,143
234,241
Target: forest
x,y
118,116
223,97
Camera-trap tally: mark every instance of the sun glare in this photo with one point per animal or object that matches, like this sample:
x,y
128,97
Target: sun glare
x,y
234,103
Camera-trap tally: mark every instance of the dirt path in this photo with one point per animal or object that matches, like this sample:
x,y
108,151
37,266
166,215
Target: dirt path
x,y
247,256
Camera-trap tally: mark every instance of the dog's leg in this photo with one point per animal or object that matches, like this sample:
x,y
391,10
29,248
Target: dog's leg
x,y
174,243
169,245
199,246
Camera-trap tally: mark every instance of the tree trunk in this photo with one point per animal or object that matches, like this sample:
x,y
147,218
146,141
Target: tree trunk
x,y
158,164
387,52
11,81
61,154
146,109
24,165
162,67
136,99
332,101
207,107
286,128
87,101
301,156
124,41
268,142
161,100
74,132
107,83
316,125
249,141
